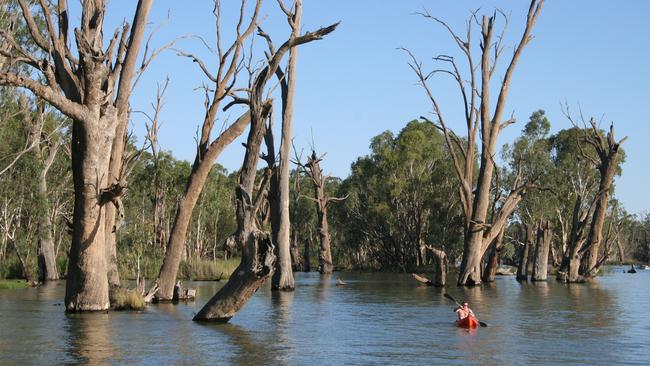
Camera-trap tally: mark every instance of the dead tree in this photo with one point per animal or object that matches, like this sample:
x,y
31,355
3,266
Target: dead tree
x,y
158,194
313,170
540,265
258,260
91,85
280,220
475,93
208,150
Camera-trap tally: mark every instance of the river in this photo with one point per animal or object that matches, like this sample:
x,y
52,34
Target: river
x,y
377,319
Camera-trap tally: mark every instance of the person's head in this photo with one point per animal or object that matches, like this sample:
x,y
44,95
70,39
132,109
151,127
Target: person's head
x,y
465,305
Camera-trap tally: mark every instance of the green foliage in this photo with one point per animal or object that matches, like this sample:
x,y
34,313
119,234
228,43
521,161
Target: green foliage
x,y
13,284
400,195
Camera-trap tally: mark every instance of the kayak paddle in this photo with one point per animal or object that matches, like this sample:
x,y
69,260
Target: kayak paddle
x,y
482,324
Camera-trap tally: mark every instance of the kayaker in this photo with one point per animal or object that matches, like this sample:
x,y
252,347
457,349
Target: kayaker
x,y
464,311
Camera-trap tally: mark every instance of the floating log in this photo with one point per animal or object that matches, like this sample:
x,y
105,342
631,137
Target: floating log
x,y
422,279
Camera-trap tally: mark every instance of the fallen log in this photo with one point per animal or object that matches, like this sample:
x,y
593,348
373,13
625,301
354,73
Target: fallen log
x,y
422,279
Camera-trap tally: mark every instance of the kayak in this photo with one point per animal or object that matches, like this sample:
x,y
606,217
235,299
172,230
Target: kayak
x,y
468,322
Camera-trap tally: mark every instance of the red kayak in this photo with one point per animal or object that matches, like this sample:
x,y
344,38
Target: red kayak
x,y
469,322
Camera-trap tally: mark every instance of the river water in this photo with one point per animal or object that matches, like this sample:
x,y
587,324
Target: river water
x,y
378,319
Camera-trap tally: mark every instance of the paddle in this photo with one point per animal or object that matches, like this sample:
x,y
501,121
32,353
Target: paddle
x,y
482,324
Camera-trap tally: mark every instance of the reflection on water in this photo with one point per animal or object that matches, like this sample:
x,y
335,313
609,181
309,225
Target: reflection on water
x,y
90,338
375,319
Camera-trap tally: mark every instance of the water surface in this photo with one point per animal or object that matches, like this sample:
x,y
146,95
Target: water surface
x,y
378,319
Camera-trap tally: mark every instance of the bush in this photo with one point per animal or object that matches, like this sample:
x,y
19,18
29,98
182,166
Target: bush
x,y
207,270
13,284
125,299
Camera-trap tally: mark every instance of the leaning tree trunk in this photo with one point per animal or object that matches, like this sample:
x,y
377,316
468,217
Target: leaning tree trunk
x,y
522,270
195,184
540,266
257,260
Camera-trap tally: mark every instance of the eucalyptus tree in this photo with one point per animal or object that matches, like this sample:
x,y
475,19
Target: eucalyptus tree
x,y
91,84
479,116
399,210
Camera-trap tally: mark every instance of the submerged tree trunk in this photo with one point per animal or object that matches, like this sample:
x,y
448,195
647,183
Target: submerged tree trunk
x,y
258,260
47,270
87,277
522,270
315,173
493,259
207,150
540,266
440,267
195,184
91,85
283,276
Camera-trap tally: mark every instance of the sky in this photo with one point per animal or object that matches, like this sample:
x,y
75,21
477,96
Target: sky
x,y
356,83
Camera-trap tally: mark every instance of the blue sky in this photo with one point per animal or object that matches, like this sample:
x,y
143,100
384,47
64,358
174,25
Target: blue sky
x,y
355,84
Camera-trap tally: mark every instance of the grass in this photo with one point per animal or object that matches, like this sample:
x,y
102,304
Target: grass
x,y
12,284
207,270
125,299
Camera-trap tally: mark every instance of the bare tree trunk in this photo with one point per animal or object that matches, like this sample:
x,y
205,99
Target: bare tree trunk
x,y
46,256
87,278
283,276
207,151
493,259
440,267
522,270
307,253
92,88
544,236
195,184
258,259
313,169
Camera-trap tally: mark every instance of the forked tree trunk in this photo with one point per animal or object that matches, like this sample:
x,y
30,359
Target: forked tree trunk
x,y
540,266
522,270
